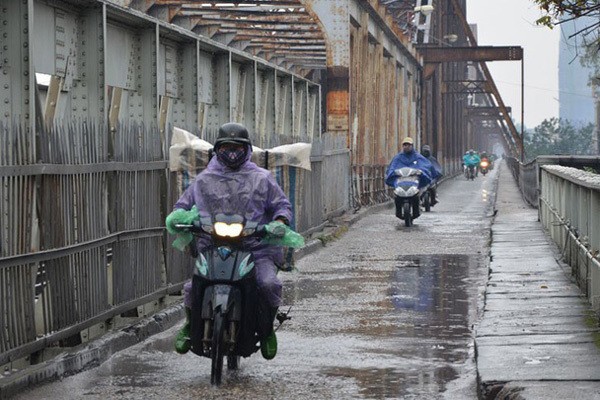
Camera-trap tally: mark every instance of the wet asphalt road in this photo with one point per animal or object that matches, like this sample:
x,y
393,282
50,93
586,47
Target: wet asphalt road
x,y
384,312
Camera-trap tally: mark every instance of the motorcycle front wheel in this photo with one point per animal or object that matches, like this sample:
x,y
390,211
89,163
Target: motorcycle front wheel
x,y
218,348
407,216
233,362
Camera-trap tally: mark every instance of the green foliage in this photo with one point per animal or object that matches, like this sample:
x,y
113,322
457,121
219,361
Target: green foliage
x,y
559,11
556,136
546,20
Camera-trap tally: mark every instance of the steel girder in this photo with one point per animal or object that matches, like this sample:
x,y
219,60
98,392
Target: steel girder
x,y
480,53
270,29
513,139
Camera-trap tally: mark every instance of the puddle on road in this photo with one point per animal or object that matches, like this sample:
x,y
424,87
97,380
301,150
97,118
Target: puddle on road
x,y
433,293
419,314
423,296
389,383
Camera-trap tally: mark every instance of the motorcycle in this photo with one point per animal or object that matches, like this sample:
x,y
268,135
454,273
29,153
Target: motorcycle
x,y
484,166
229,317
407,193
427,197
470,171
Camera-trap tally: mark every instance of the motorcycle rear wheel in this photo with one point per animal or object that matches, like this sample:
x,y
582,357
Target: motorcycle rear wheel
x,y
407,216
217,349
427,201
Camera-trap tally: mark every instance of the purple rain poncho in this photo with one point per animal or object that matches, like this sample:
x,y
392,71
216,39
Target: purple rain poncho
x,y
249,191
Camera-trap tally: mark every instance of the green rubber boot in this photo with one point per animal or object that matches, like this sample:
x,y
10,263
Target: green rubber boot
x,y
182,340
268,346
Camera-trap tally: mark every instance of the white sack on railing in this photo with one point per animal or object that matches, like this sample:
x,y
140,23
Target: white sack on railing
x,y
188,151
291,155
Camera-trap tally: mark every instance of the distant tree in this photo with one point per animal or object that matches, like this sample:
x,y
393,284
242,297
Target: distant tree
x,y
588,11
556,136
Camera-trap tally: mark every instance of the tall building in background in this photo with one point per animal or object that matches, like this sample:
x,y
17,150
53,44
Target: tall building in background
x,y
576,101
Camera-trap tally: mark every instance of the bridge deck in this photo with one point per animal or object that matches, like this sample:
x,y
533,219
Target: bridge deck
x,y
537,337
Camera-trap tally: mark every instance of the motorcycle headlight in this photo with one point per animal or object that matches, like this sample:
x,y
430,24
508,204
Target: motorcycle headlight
x,y
228,230
484,164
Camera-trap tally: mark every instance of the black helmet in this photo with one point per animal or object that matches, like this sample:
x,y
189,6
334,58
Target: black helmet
x,y
236,134
426,150
232,132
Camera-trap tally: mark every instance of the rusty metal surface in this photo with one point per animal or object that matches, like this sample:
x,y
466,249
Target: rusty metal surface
x,y
479,53
266,28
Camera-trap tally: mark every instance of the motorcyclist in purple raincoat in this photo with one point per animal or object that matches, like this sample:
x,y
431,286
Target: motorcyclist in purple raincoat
x,y
233,184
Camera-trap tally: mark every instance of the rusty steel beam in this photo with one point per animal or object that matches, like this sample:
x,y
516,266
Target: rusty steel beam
x,y
280,40
258,19
249,34
467,87
486,111
518,140
316,49
479,53
270,27
225,4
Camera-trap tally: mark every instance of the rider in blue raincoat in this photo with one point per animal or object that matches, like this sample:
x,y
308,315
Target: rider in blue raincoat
x,y
409,157
471,159
436,172
232,184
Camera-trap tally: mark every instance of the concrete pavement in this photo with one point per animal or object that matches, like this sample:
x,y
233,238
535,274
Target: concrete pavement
x,y
538,337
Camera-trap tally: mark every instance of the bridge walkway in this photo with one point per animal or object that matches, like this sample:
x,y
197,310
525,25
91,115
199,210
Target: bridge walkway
x,y
538,337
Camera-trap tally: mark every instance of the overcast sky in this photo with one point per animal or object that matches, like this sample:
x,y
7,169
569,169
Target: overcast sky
x,y
509,23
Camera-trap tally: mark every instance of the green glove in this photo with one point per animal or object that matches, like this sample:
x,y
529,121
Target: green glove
x,y
184,217
279,234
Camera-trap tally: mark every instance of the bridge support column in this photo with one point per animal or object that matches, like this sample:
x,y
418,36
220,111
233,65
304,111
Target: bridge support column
x,y
334,15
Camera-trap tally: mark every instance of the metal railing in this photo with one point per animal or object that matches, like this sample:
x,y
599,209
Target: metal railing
x,y
82,238
568,199
570,211
368,185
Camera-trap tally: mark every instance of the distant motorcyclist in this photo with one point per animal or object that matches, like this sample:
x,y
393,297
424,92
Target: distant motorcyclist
x,y
484,157
409,157
471,160
436,172
232,182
